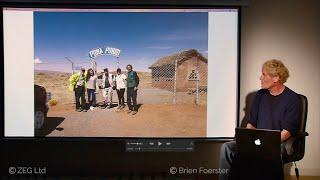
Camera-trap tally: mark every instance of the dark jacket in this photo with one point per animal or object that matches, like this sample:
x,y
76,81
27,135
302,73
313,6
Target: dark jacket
x,y
132,79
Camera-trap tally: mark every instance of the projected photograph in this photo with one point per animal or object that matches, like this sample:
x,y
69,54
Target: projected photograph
x,y
120,74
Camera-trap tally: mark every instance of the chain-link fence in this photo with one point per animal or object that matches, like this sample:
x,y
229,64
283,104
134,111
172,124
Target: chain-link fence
x,y
176,79
184,75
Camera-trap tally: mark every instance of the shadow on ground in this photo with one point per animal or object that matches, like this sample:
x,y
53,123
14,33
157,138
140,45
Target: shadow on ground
x,y
50,124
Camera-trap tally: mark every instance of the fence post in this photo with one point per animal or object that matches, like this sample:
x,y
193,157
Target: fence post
x,y
197,84
175,80
118,63
94,65
72,64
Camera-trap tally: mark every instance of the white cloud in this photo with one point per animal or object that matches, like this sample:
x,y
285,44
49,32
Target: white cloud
x,y
37,61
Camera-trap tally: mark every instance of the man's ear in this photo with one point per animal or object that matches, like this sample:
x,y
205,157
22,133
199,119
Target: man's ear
x,y
275,79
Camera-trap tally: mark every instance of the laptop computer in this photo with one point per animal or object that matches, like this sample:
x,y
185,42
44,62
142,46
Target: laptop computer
x,y
258,143
258,155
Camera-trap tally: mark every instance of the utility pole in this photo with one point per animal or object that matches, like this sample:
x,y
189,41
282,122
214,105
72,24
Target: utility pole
x,y
72,64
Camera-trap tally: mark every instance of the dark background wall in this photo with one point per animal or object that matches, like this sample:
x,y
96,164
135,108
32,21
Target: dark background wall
x,y
288,30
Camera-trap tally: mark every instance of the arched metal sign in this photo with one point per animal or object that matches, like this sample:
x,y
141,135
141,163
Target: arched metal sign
x,y
104,51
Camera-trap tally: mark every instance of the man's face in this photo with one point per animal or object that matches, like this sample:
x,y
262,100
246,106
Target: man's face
x,y
267,80
129,68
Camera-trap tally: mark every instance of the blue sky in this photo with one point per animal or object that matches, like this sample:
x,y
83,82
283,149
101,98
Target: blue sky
x,y
142,37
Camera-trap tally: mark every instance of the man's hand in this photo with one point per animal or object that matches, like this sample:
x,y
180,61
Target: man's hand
x,y
250,126
135,88
285,135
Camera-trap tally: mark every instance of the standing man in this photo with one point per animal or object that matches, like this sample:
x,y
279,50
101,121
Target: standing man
x,y
77,84
108,83
132,88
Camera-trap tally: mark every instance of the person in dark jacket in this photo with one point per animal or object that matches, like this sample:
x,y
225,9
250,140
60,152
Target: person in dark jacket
x,y
132,88
275,107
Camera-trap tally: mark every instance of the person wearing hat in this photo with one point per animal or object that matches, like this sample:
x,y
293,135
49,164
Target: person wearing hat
x,y
78,84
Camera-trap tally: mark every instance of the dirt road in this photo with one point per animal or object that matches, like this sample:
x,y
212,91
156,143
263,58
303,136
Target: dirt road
x,y
152,120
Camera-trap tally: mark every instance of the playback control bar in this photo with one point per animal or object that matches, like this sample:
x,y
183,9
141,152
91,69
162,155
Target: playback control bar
x,y
152,145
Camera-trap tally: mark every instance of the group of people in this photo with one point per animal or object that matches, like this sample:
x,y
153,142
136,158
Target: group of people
x,y
86,81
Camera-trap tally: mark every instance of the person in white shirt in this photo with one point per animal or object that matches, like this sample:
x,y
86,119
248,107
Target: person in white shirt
x,y
121,81
91,88
108,85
